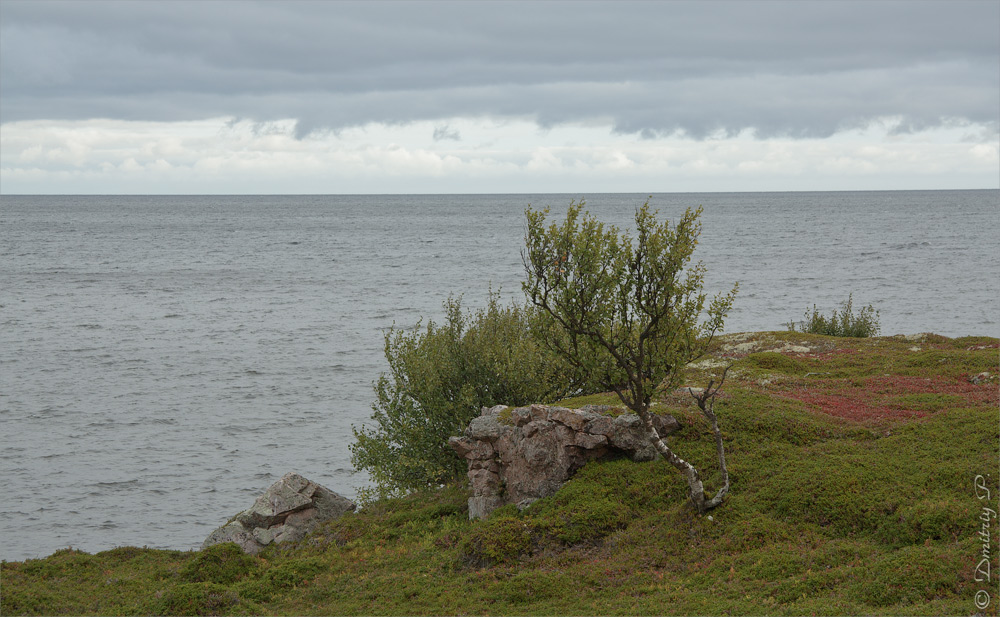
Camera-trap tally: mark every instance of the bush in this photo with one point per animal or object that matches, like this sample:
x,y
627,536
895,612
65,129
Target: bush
x,y
844,323
439,378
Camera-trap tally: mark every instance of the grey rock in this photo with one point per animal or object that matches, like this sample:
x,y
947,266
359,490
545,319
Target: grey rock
x,y
486,427
629,435
521,416
536,449
233,531
287,511
462,445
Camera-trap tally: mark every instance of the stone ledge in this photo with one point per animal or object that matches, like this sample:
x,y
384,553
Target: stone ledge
x,y
523,454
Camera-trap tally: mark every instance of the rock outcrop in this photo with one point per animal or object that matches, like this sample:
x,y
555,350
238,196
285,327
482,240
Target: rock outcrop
x,y
286,512
524,454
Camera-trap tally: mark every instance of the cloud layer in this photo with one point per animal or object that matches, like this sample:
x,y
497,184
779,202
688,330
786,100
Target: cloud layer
x,y
225,155
778,69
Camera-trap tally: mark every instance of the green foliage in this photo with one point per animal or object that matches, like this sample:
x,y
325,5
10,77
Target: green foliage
x,y
626,311
196,599
928,402
501,539
439,378
31,600
282,577
221,563
912,575
844,323
826,517
775,362
390,520
936,519
601,499
592,504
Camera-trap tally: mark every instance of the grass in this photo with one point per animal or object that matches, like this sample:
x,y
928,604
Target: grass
x,y
852,464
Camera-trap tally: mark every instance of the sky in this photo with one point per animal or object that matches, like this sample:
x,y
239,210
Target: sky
x,y
175,97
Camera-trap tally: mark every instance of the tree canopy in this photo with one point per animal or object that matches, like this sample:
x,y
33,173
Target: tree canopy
x,y
626,311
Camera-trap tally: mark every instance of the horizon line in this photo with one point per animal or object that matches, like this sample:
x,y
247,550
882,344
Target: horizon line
x,y
650,193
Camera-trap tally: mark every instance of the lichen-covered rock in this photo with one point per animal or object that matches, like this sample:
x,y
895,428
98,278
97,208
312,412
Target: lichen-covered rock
x,y
288,510
521,455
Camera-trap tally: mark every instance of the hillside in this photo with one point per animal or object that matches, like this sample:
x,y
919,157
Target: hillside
x,y
853,466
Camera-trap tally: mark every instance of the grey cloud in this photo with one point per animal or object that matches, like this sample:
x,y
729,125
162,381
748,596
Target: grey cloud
x,y
779,68
446,132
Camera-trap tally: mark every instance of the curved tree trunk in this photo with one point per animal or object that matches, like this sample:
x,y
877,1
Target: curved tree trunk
x,y
696,489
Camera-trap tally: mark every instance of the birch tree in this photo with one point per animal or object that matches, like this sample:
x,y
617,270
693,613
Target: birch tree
x,y
627,311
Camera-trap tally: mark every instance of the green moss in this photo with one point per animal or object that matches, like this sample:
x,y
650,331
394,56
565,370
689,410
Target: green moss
x,y
928,402
774,362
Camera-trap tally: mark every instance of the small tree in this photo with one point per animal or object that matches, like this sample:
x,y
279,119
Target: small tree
x,y
628,312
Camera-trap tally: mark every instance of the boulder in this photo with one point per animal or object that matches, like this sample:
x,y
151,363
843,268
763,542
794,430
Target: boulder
x,y
288,510
521,455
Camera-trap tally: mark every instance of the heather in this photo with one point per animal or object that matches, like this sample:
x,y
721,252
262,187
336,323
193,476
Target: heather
x,y
852,463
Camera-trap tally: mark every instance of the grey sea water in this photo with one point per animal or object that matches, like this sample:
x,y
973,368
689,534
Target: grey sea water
x,y
165,359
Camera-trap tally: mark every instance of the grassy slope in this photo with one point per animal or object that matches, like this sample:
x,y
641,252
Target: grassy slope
x,y
852,464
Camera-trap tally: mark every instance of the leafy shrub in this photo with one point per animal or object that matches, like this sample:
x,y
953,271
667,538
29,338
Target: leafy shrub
x,y
439,378
843,323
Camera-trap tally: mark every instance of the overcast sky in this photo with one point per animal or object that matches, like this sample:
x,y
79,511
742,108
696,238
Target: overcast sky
x,y
331,97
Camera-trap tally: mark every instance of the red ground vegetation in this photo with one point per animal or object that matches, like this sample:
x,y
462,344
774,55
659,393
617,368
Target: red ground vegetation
x,y
876,399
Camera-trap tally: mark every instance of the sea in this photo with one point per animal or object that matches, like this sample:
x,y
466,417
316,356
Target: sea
x,y
164,359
